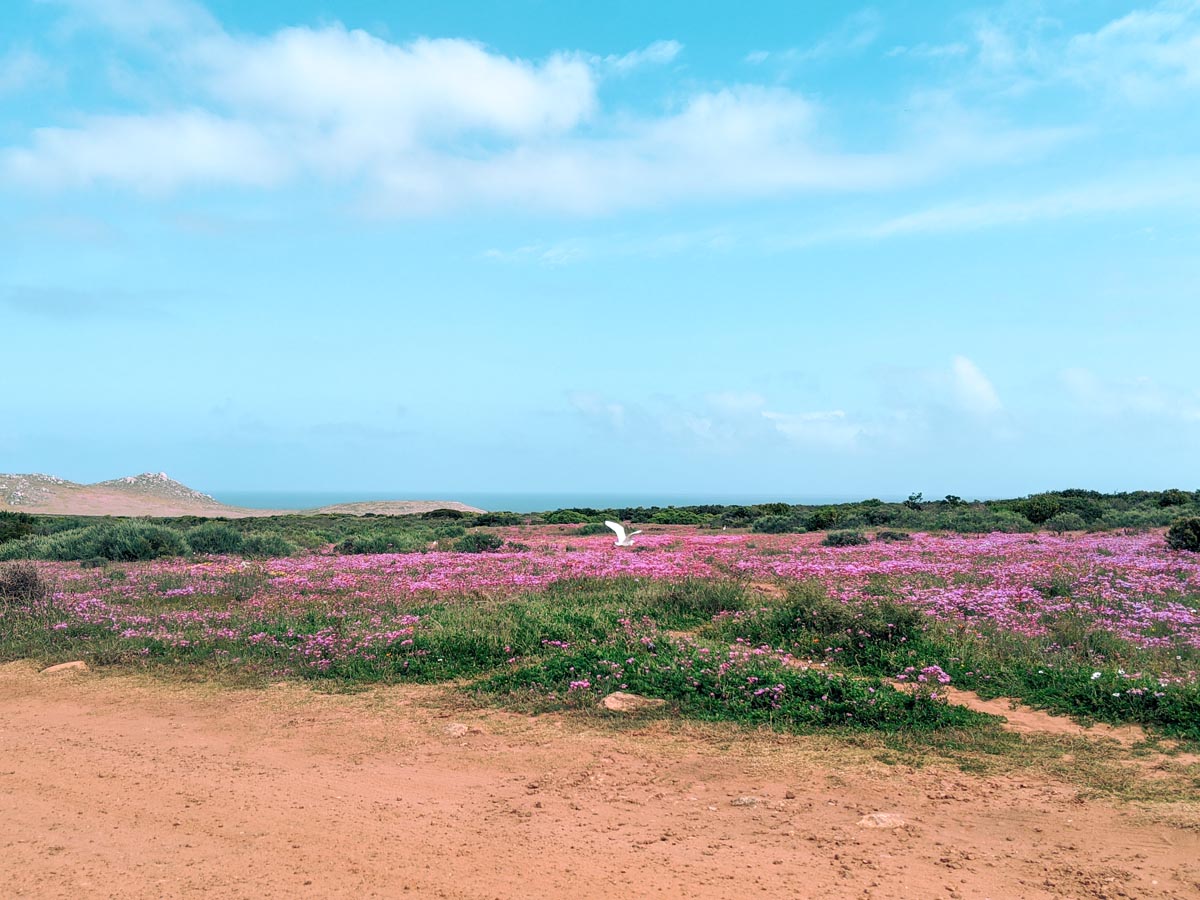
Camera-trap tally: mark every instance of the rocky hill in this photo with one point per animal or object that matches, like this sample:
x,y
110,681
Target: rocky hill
x,y
156,494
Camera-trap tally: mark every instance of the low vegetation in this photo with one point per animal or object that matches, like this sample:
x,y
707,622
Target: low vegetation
x,y
74,537
794,631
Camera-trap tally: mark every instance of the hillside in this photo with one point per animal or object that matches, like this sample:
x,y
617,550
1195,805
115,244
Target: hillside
x,y
156,494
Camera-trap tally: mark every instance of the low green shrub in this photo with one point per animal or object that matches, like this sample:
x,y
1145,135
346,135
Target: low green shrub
x,y
216,538
774,524
497,519
479,542
673,516
1184,534
1174,497
15,525
122,541
844,539
565,517
1065,521
383,542
444,513
892,536
267,546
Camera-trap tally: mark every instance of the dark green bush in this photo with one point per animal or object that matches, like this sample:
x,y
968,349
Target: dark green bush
x,y
777,525
125,541
497,518
673,516
1040,508
887,536
444,513
479,542
383,542
267,546
214,537
565,517
593,528
15,525
774,509
1174,497
736,517
1066,521
1184,534
844,539
822,518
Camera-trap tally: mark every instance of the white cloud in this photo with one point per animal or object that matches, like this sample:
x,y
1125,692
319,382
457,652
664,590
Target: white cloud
x,y
595,407
657,54
436,124
139,19
151,153
820,429
972,389
1169,185
367,97
855,34
952,50
1141,396
1144,54
20,69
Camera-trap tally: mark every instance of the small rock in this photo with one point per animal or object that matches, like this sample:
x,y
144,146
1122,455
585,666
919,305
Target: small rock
x,y
882,820
77,665
619,701
789,795
457,729
744,801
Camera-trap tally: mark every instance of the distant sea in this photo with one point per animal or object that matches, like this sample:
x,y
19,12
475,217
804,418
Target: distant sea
x,y
510,502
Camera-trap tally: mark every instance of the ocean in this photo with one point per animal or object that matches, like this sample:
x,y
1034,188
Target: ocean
x,y
507,501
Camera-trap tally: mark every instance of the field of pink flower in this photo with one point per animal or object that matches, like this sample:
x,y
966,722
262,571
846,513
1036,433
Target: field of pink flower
x,y
1102,625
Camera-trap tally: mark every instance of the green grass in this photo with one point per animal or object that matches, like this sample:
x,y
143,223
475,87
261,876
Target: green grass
x,y
880,637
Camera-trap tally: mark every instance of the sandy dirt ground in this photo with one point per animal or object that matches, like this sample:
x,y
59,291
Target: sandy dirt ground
x,y
120,786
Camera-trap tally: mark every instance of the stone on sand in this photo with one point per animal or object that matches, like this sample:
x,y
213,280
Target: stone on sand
x,y
76,665
619,701
882,820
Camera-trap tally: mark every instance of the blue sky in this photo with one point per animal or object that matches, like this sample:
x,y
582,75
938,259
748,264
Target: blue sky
x,y
804,249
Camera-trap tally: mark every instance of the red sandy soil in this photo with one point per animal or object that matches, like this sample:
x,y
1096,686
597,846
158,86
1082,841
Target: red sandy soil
x,y
125,787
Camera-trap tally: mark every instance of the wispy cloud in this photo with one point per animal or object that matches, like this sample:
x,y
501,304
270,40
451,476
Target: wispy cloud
x,y
1145,55
432,124
597,409
855,34
1141,396
953,50
830,430
972,389
657,54
20,69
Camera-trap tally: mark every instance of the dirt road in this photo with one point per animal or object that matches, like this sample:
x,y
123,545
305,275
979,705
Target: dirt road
x,y
119,786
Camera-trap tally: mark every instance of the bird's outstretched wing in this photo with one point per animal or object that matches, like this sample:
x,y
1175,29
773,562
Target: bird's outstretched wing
x,y
615,526
632,533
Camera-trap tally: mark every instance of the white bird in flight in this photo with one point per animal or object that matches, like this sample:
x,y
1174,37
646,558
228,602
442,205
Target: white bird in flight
x,y
623,539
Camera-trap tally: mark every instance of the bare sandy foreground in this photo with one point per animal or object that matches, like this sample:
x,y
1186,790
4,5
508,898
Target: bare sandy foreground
x,y
124,787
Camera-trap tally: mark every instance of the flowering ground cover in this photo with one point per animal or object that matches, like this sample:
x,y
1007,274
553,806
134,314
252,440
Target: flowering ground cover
x,y
754,627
